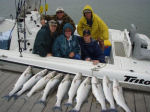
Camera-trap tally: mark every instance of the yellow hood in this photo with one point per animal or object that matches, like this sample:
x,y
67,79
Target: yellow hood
x,y
89,8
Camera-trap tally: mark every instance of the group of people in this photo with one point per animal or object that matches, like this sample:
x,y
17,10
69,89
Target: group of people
x,y
56,37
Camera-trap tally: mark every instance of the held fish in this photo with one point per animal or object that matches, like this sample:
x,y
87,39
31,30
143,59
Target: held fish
x,y
41,83
107,87
22,79
98,92
73,89
118,96
82,93
31,82
50,85
62,90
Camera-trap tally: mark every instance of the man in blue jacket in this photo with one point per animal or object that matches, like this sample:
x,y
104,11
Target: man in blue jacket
x,y
66,45
90,50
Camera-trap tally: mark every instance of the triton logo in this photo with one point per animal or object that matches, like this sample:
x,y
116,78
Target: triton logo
x,y
136,80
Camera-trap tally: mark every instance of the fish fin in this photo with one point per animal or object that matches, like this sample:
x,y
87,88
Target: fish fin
x,y
15,96
57,108
112,110
104,111
73,110
41,102
69,104
7,97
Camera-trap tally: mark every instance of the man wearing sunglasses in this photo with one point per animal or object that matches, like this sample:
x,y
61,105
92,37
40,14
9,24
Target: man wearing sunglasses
x,y
45,39
61,18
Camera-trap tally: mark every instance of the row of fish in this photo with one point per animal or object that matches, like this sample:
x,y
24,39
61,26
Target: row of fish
x,y
74,88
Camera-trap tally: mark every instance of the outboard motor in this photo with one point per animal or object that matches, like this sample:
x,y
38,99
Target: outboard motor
x,y
139,45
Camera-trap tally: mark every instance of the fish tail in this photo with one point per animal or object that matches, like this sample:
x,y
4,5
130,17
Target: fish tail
x,y
7,97
15,96
112,110
68,104
57,108
74,110
104,111
41,102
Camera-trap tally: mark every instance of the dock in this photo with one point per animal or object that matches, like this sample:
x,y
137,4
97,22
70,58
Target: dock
x,y
137,101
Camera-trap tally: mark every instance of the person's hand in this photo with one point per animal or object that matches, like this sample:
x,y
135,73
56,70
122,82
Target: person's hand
x,y
49,54
95,62
88,59
71,54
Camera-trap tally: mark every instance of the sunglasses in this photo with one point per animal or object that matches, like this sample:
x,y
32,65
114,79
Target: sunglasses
x,y
60,12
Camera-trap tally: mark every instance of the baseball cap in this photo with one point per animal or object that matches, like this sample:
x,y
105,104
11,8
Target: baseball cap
x,y
86,32
52,22
59,9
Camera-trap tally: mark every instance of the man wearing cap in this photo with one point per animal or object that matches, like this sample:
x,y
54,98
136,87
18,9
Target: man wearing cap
x,y
62,18
91,21
90,50
66,45
45,39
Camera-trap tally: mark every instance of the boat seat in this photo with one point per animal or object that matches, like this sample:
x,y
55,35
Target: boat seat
x,y
119,49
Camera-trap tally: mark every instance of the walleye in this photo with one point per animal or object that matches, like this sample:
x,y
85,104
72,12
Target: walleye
x,y
41,83
62,90
107,87
51,84
98,92
22,79
118,96
82,93
73,89
31,82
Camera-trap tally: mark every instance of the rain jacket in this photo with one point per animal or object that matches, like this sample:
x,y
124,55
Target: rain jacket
x,y
98,29
44,41
91,50
66,19
61,46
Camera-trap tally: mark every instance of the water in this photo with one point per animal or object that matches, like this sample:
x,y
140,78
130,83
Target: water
x,y
117,14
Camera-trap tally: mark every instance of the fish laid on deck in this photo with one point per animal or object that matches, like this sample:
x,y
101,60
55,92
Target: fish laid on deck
x,y
22,79
118,96
107,88
98,93
62,90
73,89
41,83
50,85
82,94
30,83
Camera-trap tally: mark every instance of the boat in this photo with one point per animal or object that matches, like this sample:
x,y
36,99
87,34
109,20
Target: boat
x,y
120,63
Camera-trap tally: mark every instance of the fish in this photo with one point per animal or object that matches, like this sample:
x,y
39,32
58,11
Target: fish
x,y
107,88
73,89
98,92
41,83
118,95
62,91
50,85
21,80
31,82
82,94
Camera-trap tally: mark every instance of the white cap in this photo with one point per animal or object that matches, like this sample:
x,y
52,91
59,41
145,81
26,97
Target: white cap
x,y
59,9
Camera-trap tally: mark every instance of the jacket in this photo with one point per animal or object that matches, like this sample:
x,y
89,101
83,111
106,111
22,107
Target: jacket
x,y
98,28
61,46
44,41
91,50
66,19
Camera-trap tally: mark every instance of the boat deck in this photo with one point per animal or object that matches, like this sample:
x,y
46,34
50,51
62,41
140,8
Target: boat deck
x,y
138,101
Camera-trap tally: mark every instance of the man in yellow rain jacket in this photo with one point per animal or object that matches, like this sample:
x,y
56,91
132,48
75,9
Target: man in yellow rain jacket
x,y
92,22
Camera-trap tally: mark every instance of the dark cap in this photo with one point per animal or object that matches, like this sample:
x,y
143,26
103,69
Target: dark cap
x,y
86,32
52,22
